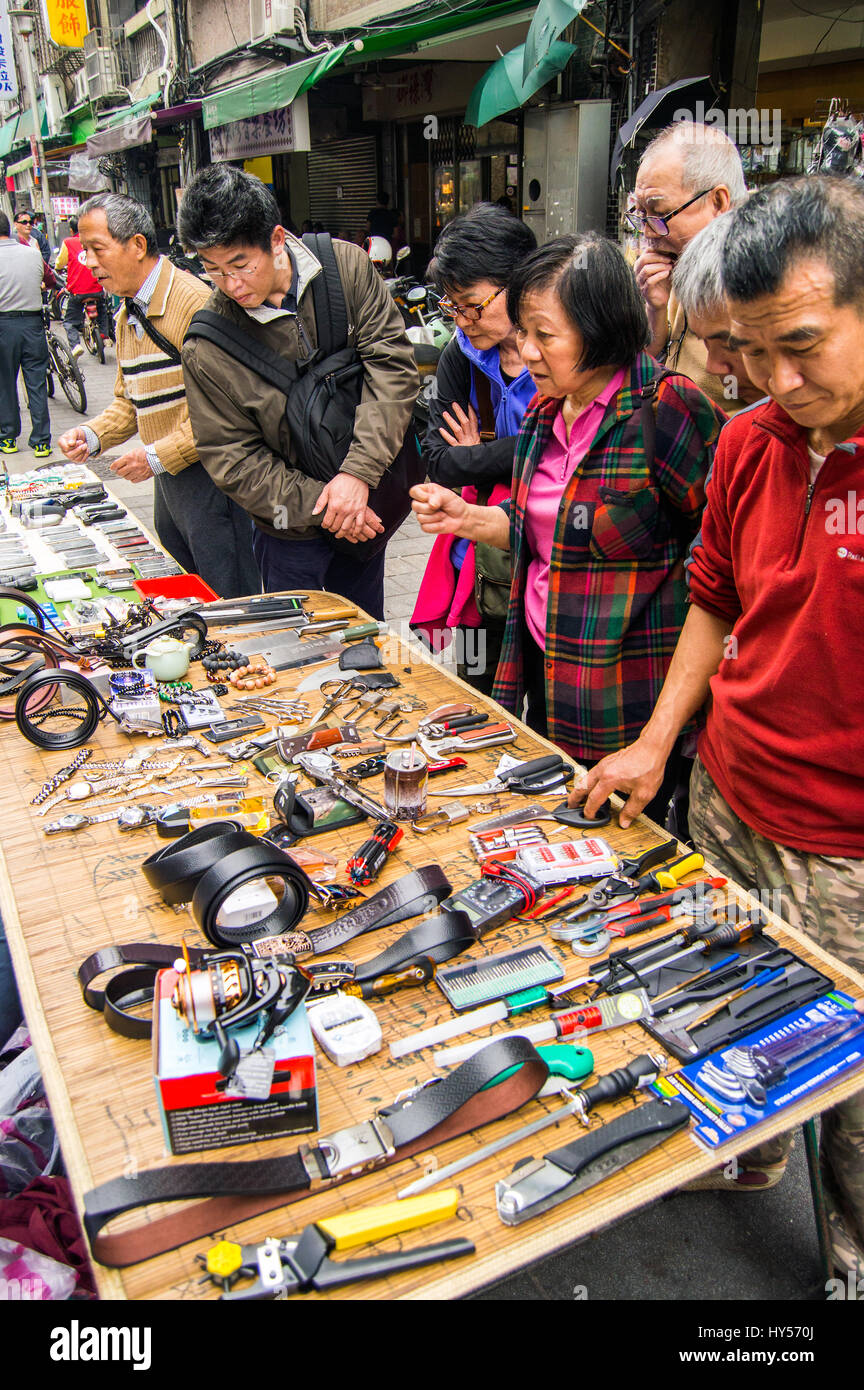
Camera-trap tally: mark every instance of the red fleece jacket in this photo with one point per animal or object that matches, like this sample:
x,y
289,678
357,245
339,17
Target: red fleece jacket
x,y
783,561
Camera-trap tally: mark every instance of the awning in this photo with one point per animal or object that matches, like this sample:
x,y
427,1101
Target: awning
x,y
270,92
25,124
502,89
550,19
177,113
128,134
20,166
275,90
7,135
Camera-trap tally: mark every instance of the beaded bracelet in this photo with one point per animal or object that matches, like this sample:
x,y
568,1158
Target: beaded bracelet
x,y
222,661
252,677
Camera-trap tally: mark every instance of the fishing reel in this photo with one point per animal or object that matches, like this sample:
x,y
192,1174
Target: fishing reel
x,y
231,990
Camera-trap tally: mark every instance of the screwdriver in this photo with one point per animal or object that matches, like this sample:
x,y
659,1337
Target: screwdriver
x,y
623,1008
727,935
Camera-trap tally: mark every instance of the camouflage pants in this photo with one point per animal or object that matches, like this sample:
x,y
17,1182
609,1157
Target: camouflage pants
x,y
823,897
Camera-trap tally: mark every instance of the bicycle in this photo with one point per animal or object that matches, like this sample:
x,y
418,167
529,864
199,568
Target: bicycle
x,y
94,339
64,365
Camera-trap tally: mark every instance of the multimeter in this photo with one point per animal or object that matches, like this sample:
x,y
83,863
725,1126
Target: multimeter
x,y
489,902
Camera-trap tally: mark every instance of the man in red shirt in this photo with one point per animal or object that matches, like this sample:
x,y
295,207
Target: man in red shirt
x,y
774,633
81,285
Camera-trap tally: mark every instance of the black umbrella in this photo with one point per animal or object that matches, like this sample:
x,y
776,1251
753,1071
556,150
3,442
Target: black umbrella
x,y
658,109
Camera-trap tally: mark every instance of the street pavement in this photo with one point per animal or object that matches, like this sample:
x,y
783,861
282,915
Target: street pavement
x,y
692,1246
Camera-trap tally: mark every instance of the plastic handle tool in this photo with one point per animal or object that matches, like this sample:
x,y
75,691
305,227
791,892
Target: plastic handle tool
x,y
374,1223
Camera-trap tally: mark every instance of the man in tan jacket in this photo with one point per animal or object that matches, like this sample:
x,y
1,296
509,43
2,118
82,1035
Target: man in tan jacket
x,y
265,282
204,531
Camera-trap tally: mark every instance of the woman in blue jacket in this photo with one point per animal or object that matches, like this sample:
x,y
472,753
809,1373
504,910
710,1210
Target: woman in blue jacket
x,y
482,391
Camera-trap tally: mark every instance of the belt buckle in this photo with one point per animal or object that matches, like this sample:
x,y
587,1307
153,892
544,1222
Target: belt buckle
x,y
357,1149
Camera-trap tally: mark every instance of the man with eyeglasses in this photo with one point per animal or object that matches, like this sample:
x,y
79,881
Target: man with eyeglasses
x,y
688,175
203,530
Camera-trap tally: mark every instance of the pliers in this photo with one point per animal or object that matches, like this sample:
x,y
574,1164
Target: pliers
x,y
633,878
300,1263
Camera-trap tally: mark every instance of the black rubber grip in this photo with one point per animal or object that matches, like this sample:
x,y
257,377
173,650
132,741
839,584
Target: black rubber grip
x,y
620,1082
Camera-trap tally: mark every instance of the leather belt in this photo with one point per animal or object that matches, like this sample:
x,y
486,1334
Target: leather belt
x,y
438,939
130,987
175,869
470,1096
409,896
231,871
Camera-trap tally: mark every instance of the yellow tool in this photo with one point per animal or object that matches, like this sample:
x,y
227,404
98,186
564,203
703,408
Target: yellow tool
x,y
300,1263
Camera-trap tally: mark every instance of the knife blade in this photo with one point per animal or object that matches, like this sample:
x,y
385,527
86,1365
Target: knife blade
x,y
541,1184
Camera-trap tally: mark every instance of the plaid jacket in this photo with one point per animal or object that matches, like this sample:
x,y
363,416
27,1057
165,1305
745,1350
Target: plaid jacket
x,y
616,582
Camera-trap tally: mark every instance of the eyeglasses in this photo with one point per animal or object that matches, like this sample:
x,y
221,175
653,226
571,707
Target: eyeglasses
x,y
654,222
23,222
245,272
469,312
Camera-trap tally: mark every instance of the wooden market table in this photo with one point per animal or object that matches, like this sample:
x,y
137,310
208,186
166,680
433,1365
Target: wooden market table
x,y
63,898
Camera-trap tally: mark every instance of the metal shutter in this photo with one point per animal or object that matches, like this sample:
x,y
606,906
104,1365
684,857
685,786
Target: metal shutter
x,y
349,165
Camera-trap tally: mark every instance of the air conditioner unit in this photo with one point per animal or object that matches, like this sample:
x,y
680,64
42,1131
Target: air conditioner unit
x,y
80,91
267,18
103,75
54,97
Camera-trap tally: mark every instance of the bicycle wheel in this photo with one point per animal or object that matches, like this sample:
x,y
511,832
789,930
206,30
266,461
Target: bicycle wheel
x,y
93,340
70,377
50,382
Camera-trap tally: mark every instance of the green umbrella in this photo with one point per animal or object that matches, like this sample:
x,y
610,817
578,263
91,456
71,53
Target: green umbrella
x,y
501,87
550,18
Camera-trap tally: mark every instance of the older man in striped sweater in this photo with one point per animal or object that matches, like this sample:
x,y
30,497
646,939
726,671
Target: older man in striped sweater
x,y
202,528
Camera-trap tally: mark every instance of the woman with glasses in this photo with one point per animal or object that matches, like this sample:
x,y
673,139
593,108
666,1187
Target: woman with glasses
x,y
608,489
482,392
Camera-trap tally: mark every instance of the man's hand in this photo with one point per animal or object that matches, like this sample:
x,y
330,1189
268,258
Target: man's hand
x,y
637,769
74,445
653,271
133,466
343,502
463,429
439,511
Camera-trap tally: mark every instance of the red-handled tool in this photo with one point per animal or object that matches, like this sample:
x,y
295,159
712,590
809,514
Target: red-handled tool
x,y
370,858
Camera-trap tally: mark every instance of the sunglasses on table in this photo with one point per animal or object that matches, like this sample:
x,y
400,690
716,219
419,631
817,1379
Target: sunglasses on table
x,y
659,223
469,312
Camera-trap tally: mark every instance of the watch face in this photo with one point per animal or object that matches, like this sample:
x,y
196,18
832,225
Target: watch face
x,y
133,817
70,822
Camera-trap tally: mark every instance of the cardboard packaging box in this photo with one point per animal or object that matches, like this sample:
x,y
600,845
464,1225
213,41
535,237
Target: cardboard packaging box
x,y
195,1115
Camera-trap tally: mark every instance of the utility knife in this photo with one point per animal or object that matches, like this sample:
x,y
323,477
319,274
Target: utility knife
x,y
540,1184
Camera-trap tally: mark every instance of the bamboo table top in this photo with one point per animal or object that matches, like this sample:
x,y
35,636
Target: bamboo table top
x,y
66,897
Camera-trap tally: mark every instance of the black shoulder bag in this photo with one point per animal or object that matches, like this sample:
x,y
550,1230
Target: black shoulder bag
x,y
322,394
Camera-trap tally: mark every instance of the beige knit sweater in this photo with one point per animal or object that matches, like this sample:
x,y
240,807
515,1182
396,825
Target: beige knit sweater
x,y
149,393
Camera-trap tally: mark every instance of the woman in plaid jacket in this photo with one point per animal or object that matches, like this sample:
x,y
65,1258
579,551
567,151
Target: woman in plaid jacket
x,y
608,489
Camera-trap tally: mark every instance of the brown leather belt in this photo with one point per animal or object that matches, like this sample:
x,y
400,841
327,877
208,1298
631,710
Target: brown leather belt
x,y
470,1096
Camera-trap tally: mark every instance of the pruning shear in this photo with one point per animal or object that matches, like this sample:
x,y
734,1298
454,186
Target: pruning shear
x,y
300,1263
530,779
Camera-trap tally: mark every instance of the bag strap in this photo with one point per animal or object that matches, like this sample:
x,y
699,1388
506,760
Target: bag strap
x,y
331,311
648,416
483,393
269,365
153,332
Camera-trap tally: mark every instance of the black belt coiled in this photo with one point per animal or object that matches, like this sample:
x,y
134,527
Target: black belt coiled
x,y
209,864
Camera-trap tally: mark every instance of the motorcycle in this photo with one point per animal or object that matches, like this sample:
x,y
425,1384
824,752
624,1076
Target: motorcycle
x,y
177,256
